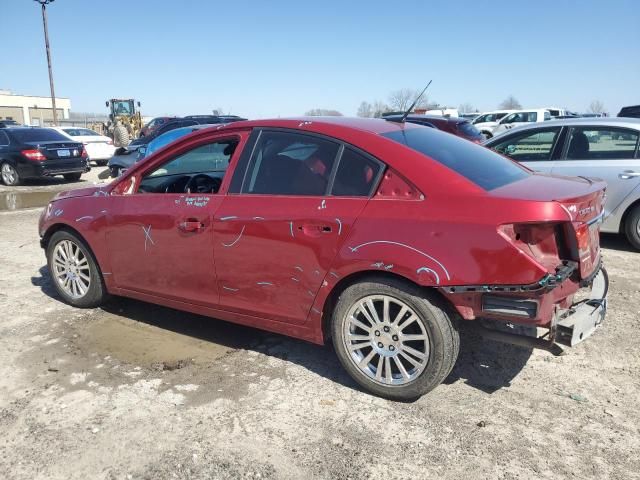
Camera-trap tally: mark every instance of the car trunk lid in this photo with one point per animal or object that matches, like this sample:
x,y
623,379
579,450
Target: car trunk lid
x,y
58,150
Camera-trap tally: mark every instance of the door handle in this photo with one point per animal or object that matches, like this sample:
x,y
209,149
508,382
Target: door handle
x,y
191,225
314,230
628,174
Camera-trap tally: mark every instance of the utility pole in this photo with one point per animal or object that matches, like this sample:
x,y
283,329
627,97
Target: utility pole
x,y
44,4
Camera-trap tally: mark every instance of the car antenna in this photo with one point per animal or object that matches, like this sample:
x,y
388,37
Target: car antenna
x,y
406,114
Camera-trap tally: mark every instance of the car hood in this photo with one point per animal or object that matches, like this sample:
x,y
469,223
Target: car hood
x,y
96,190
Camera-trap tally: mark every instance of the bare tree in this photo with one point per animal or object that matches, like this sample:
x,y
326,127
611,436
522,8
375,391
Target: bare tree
x,y
467,108
402,99
379,108
596,107
323,112
510,103
365,110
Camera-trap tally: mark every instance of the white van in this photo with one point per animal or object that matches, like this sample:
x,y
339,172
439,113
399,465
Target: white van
x,y
522,117
487,121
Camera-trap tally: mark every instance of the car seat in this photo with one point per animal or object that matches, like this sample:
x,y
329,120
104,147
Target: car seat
x,y
579,146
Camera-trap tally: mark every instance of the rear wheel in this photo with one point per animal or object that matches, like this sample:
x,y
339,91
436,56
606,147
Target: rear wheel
x,y
72,177
9,175
74,270
101,163
632,227
393,339
487,135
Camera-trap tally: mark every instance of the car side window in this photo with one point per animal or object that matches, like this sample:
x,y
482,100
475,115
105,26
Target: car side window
x,y
4,140
285,163
199,170
591,143
356,175
529,146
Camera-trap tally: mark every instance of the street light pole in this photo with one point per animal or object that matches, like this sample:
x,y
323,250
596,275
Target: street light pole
x,y
44,4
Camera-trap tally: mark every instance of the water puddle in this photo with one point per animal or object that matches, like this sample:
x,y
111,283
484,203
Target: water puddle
x,y
150,336
19,200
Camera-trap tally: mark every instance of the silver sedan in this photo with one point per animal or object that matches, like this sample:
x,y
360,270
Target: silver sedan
x,y
604,148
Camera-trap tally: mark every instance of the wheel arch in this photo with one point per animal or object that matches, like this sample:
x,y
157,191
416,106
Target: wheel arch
x,y
57,227
625,215
368,275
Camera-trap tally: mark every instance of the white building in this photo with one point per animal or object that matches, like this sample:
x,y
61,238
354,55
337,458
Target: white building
x,y
31,110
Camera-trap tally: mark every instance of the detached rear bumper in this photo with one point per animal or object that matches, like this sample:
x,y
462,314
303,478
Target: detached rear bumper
x,y
580,320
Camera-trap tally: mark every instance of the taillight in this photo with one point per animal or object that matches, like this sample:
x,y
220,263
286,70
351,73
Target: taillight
x,y
583,238
109,142
83,154
33,154
541,241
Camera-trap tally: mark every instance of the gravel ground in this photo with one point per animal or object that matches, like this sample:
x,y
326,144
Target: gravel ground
x,y
135,391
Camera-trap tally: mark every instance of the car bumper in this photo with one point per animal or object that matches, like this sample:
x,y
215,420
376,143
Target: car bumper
x,y
51,168
578,322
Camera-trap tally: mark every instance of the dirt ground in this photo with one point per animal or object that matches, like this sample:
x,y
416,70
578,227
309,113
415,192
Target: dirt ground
x,y
135,391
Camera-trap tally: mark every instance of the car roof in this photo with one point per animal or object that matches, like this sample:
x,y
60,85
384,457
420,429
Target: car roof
x,y
596,121
371,125
428,118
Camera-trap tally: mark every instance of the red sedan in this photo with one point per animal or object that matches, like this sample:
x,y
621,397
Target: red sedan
x,y
378,235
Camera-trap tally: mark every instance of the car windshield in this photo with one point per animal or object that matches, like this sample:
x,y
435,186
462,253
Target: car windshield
x,y
483,167
39,135
80,132
469,130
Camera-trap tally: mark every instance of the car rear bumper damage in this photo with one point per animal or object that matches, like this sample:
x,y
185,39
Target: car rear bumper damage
x,y
549,305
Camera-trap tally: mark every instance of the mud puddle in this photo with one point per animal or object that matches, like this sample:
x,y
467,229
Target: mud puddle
x,y
19,200
152,336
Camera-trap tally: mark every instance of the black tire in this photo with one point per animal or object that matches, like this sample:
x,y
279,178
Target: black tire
x,y
101,163
96,294
487,135
11,179
72,177
443,337
632,227
114,171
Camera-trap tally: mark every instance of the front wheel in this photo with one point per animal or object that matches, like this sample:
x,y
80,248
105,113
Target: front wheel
x,y
632,227
9,175
394,339
72,177
74,271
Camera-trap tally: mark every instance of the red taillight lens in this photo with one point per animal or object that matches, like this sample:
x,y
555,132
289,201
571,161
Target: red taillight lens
x,y
83,154
584,240
35,155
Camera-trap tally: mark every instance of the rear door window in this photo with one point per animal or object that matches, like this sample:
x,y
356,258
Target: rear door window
x,y
478,164
356,176
529,146
598,143
285,163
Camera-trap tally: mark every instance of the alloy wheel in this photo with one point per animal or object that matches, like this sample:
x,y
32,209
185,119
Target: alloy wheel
x,y
9,174
71,269
386,340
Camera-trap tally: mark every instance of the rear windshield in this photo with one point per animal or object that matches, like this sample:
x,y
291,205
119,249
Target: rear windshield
x,y
474,162
80,132
469,130
38,135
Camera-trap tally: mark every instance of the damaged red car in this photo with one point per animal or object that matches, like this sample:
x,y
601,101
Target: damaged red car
x,y
380,236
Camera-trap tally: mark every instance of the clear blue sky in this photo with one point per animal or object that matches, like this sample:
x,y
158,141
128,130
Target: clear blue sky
x,y
278,58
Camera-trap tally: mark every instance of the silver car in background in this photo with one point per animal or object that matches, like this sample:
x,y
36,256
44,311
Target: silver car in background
x,y
604,148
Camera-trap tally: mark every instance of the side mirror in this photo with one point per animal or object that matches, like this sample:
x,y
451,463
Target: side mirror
x,y
106,104
138,104
510,149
